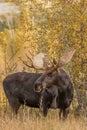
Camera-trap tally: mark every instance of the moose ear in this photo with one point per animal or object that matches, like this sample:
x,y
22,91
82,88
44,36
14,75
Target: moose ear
x,y
66,57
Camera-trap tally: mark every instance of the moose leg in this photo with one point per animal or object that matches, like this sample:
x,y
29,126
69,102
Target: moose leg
x,y
60,113
54,92
65,113
15,104
54,104
45,110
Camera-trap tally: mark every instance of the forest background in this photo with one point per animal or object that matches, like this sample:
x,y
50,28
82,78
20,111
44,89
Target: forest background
x,y
50,26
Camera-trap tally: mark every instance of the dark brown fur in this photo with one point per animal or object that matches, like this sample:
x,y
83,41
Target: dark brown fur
x,y
61,80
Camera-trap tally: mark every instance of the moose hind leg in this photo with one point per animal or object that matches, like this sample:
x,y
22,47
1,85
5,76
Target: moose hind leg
x,y
60,113
15,104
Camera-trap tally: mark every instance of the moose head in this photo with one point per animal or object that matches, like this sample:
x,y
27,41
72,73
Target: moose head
x,y
54,75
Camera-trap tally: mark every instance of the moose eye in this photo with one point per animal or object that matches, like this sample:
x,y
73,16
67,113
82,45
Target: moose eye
x,y
38,88
49,75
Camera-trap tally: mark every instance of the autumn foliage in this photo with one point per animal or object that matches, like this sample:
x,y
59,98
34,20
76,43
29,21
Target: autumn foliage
x,y
52,27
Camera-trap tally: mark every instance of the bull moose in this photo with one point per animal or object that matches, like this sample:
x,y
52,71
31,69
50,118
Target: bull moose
x,y
56,90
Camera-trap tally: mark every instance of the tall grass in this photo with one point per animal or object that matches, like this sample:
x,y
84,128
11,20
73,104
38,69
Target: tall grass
x,y
31,119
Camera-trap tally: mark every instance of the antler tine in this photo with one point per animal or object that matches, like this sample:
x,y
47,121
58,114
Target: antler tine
x,y
31,53
24,62
54,61
29,59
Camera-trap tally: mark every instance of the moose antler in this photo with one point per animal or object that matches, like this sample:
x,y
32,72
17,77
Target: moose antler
x,y
66,57
37,62
25,63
